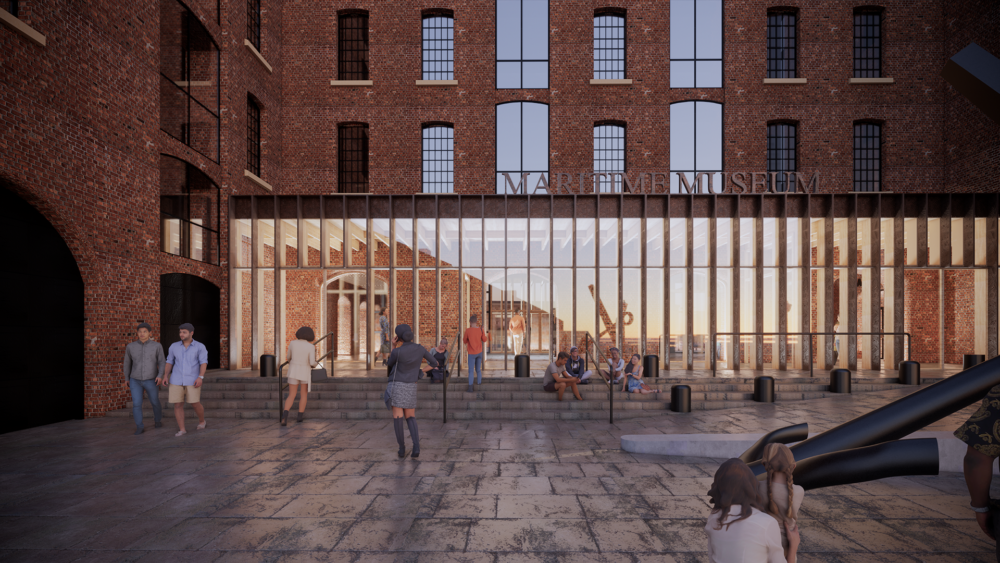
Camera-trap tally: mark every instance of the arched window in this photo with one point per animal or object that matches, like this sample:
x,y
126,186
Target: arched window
x,y
696,44
352,158
352,28
609,43
522,36
695,146
609,155
867,156
438,45
439,158
782,142
868,42
253,23
522,146
253,136
189,211
782,43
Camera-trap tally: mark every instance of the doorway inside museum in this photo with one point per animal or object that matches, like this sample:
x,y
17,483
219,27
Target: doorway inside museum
x,y
42,303
189,299
348,315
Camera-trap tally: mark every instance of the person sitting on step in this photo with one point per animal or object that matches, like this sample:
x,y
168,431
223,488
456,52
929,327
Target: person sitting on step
x,y
633,377
575,366
555,380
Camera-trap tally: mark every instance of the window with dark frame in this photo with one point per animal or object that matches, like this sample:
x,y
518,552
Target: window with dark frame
x,y
439,158
781,44
867,43
782,153
522,44
253,136
353,46
609,155
696,37
189,211
439,45
253,23
609,44
352,158
10,6
867,156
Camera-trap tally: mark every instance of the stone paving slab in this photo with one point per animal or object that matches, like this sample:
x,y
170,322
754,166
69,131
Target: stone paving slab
x,y
481,491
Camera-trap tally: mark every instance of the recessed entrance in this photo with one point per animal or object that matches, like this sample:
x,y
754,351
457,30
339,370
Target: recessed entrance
x,y
189,299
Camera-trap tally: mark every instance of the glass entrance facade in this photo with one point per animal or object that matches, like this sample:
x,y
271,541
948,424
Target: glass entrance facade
x,y
692,279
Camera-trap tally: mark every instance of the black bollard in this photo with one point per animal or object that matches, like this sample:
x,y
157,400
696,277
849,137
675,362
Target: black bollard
x,y
651,366
268,366
840,380
909,372
680,398
521,366
972,360
763,389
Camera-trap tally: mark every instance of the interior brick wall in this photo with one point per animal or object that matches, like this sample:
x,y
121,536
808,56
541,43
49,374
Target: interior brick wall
x,y
922,314
959,314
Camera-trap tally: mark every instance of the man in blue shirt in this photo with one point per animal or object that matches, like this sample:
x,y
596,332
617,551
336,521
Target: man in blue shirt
x,y
185,370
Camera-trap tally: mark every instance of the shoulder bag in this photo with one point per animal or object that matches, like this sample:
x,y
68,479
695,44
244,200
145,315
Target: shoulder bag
x,y
388,388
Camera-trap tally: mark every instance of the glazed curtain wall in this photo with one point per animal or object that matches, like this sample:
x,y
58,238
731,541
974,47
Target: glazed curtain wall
x,y
649,274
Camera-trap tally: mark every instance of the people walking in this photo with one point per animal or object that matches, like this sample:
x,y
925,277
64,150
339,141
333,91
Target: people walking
x,y
301,361
185,370
404,368
473,339
383,330
143,368
441,355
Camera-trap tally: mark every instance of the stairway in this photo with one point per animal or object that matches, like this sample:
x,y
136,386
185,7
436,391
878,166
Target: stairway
x,y
226,396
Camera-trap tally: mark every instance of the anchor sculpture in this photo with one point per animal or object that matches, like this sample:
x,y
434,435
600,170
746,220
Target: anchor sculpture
x,y
627,317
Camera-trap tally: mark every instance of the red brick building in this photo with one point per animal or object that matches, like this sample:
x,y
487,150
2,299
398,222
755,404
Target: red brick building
x,y
130,127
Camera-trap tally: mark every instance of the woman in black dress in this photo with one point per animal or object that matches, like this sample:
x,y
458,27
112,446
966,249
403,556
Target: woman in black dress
x,y
404,371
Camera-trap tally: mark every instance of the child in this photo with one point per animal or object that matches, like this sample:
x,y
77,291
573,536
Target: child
x,y
782,497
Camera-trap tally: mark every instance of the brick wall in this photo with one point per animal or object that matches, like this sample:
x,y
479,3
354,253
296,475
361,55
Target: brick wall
x,y
922,314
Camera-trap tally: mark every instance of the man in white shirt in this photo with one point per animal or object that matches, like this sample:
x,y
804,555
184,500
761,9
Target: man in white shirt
x,y
616,367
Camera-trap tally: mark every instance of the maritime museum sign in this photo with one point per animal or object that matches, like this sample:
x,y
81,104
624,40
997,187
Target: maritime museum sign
x,y
657,183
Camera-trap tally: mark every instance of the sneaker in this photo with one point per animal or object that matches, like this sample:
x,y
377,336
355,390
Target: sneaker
x,y
138,431
180,433
202,425
158,424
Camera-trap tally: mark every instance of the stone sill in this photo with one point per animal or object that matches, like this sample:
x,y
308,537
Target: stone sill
x,y
784,81
610,81
193,83
351,83
19,26
437,82
885,80
253,177
257,54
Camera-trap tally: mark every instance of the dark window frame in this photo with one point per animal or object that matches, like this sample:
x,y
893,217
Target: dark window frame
x,y
602,17
181,205
785,133
548,56
782,42
349,66
696,59
868,35
448,186
865,163
253,136
356,179
449,45
548,152
253,23
601,151
694,143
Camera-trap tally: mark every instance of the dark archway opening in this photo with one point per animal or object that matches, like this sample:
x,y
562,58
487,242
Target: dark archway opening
x,y
42,320
189,299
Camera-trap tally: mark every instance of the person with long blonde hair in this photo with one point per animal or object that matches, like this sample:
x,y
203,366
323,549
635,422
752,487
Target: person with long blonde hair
x,y
782,496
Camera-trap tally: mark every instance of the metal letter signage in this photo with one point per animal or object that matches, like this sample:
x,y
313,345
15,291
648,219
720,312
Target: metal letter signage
x,y
732,182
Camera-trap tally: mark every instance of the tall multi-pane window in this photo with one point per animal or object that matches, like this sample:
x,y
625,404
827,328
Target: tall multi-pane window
x,y
253,23
867,43
352,158
522,146
696,43
10,6
781,44
781,153
352,45
609,43
439,158
253,136
522,43
189,211
609,155
867,156
439,45
695,146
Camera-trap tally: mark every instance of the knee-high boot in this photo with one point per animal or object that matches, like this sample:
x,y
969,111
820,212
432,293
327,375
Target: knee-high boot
x,y
414,435
397,424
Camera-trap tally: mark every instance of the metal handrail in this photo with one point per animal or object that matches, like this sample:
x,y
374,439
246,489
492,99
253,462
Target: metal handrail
x,y
282,386
587,340
715,341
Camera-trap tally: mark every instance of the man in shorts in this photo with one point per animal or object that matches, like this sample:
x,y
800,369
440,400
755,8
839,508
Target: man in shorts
x,y
185,370
556,380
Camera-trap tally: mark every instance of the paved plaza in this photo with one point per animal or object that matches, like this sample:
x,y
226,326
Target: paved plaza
x,y
334,490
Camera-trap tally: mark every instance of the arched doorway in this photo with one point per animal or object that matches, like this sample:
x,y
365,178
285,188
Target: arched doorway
x,y
189,299
42,303
347,314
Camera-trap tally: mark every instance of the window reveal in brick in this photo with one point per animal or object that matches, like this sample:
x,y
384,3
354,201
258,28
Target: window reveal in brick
x,y
253,23
438,47
609,155
189,211
696,44
522,35
439,155
352,158
781,44
353,46
10,6
781,152
609,45
253,136
867,157
867,43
